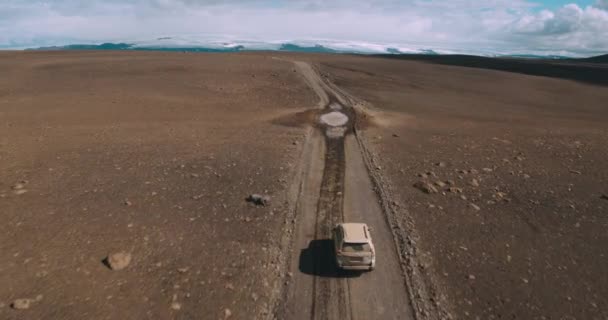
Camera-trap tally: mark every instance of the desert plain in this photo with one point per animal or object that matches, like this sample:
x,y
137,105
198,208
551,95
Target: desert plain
x,y
125,178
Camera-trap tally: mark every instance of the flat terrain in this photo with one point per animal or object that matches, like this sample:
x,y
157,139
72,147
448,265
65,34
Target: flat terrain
x,y
154,154
522,232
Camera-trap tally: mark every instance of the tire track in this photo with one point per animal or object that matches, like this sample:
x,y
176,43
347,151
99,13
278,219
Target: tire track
x,y
318,289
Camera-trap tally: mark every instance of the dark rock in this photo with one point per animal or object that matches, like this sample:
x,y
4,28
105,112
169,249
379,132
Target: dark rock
x,y
259,200
425,187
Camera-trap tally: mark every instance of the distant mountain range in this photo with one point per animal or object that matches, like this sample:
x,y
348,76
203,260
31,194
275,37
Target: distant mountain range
x,y
165,44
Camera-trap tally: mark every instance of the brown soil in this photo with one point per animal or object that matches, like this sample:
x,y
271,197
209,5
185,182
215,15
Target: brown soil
x,y
536,146
149,153
153,154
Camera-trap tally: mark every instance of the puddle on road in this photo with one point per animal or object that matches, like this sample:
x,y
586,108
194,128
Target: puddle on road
x,y
334,119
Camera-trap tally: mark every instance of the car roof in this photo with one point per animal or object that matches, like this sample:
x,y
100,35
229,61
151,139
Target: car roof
x,y
355,232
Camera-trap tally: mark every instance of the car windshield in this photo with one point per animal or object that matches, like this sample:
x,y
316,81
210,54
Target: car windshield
x,y
355,247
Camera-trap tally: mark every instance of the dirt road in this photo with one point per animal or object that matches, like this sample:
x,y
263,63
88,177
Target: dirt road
x,y
335,186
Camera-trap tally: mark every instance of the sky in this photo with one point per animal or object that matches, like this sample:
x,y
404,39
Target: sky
x,y
508,26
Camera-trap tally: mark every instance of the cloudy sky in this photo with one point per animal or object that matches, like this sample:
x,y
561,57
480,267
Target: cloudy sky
x,y
515,26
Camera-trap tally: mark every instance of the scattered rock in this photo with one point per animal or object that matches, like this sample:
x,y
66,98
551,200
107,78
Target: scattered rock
x,y
474,183
471,277
176,306
254,296
526,176
441,164
20,192
425,187
487,170
183,270
227,313
575,171
450,183
118,260
474,206
440,184
500,195
19,185
127,203
229,286
22,304
454,190
259,200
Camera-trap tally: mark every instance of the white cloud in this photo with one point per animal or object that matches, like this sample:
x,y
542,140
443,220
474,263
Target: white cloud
x,y
501,25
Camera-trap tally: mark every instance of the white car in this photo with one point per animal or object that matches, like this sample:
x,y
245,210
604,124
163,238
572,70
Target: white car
x,y
353,246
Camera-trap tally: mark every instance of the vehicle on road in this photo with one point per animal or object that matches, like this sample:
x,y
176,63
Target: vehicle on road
x,y
353,247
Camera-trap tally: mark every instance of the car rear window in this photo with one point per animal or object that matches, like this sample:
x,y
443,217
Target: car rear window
x,y
356,247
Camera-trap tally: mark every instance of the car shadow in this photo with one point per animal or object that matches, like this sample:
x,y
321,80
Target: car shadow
x,y
319,260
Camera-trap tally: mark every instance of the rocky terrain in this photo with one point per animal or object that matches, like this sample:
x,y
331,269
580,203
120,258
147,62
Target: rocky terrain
x,y
151,155
499,177
157,185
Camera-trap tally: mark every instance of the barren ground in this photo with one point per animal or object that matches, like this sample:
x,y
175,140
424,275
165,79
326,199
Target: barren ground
x,y
154,153
149,153
537,148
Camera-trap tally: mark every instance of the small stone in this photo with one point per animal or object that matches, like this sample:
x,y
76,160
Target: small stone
x,y
425,187
227,313
471,277
229,286
254,296
440,184
395,135
500,195
127,203
526,176
19,185
183,270
20,192
259,200
474,183
454,190
441,164
487,170
450,183
22,304
118,261
575,171
474,206
176,306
